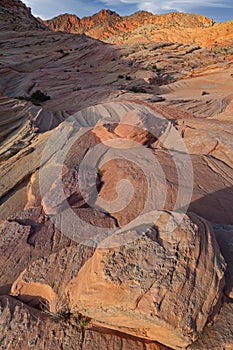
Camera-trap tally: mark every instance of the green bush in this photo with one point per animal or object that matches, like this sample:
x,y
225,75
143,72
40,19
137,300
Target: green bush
x,y
128,77
81,321
204,93
158,70
62,314
136,89
36,98
39,96
100,172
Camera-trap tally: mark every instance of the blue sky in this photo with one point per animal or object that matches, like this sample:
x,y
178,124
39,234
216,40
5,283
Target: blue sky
x,y
219,10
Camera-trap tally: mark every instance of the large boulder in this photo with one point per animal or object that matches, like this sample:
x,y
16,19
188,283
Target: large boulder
x,y
162,285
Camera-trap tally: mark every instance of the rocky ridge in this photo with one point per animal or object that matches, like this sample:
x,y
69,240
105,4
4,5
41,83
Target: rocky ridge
x,y
145,27
17,17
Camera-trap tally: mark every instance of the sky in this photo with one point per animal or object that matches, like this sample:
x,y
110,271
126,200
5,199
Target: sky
x,y
219,10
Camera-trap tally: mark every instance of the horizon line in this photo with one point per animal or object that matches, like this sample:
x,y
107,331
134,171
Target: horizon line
x,y
113,11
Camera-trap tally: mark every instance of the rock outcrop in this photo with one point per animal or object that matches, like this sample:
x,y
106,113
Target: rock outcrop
x,y
24,239
217,335
161,286
23,327
224,236
145,27
17,17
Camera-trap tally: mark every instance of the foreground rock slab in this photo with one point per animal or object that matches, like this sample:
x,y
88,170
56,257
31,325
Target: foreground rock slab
x,y
22,327
219,334
161,286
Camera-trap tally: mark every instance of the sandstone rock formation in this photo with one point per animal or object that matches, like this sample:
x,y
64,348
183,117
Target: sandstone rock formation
x,y
217,335
224,236
161,286
187,89
17,17
23,327
24,239
145,27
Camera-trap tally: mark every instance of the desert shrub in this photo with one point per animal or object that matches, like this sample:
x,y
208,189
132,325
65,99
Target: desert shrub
x,y
62,314
158,70
137,89
120,76
36,98
128,77
80,321
100,172
204,93
39,97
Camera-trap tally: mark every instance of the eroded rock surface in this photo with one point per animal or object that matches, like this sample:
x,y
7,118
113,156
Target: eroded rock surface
x,y
161,286
145,27
217,335
224,236
24,239
22,327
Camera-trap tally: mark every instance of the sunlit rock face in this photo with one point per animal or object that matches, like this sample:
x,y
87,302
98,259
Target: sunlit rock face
x,y
161,286
145,27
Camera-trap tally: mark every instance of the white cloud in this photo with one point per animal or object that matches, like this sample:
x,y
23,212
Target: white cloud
x,y
221,9
44,8
157,6
50,8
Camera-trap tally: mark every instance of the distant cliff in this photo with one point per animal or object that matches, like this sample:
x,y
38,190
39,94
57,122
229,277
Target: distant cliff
x,y
143,26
